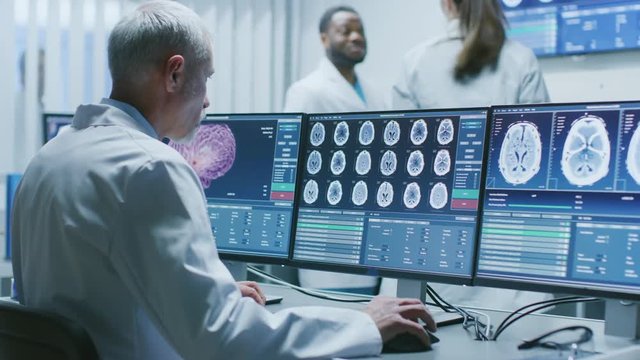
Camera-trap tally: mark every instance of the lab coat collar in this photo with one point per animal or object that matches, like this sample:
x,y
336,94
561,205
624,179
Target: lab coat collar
x,y
332,73
112,112
453,29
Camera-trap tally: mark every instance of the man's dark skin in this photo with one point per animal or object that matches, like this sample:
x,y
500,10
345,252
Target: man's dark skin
x,y
345,43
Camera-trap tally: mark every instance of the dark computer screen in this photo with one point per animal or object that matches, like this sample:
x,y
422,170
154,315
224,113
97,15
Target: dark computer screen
x,y
247,164
562,199
565,27
391,193
53,123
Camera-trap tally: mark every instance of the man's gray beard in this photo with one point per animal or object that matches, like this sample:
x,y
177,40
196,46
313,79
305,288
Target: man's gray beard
x,y
187,139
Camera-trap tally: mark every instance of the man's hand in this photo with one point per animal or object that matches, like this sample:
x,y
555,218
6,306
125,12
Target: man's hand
x,y
394,316
252,290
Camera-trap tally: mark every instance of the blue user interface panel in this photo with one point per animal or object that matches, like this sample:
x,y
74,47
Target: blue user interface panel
x,y
53,124
247,165
562,197
391,191
565,27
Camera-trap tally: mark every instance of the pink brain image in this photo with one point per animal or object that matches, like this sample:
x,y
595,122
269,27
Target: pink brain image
x,y
211,153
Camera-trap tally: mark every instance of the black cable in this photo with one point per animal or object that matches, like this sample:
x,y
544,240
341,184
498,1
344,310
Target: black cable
x,y
517,311
314,293
469,320
506,325
537,342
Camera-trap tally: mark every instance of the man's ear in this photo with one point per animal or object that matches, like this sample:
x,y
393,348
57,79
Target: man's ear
x,y
174,73
324,37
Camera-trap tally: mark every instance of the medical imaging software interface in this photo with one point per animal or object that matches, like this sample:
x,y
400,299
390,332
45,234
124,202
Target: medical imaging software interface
x,y
561,203
55,123
247,166
391,191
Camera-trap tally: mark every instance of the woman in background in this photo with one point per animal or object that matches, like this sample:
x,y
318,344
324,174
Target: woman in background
x,y
473,64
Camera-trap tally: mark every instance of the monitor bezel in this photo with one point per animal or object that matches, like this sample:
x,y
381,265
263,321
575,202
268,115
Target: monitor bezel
x,y
378,271
44,123
538,284
264,259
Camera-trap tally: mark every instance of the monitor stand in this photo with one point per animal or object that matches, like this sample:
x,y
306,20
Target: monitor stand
x,y
238,269
412,289
622,318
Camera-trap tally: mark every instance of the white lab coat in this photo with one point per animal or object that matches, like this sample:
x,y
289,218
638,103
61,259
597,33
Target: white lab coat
x,y
111,229
325,90
426,81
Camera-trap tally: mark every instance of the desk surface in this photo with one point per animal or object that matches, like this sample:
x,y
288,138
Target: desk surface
x,y
456,343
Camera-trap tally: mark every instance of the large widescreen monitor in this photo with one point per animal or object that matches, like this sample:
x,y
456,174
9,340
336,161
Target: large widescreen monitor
x,y
247,164
391,193
561,206
566,27
54,123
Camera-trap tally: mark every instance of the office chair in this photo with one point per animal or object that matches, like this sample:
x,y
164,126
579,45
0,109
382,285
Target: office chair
x,y
27,333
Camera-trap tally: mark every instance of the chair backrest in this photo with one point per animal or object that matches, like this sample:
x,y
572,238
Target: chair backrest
x,y
27,333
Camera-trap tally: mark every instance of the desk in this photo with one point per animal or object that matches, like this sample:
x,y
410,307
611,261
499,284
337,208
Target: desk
x,y
456,343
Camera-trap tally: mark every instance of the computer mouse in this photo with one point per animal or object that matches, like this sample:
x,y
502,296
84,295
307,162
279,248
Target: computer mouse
x,y
406,342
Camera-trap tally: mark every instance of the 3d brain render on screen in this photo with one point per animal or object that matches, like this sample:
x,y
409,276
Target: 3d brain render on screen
x,y
586,151
520,153
211,153
633,156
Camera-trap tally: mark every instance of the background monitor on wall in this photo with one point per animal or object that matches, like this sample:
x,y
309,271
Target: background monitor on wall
x,y
391,193
53,123
247,164
566,27
562,199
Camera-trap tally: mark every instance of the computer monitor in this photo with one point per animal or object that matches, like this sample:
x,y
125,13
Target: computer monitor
x,y
568,27
247,164
53,123
391,193
561,206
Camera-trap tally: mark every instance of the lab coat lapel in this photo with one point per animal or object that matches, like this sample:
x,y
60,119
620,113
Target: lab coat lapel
x,y
344,91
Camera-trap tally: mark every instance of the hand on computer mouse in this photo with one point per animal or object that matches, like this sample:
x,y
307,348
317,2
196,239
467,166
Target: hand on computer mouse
x,y
395,316
406,342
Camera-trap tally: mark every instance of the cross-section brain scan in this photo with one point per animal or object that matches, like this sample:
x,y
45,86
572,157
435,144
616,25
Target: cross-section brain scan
x,y
412,195
334,192
388,163
317,134
586,151
363,163
439,196
314,162
211,153
367,133
341,134
310,193
338,162
419,132
359,193
415,163
520,153
445,132
391,133
384,197
633,157
442,163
